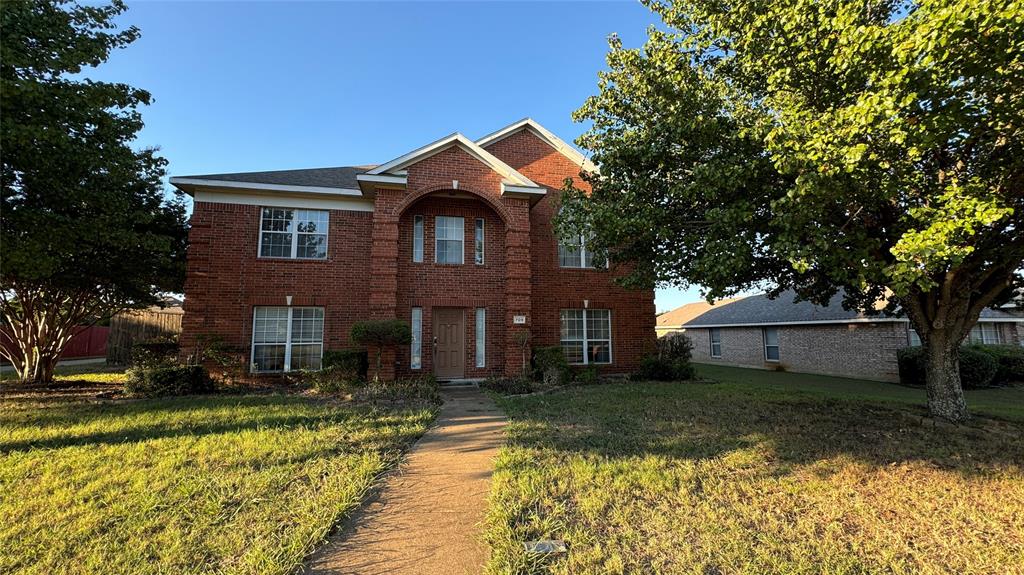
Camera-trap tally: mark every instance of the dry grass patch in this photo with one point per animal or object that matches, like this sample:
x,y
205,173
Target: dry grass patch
x,y
735,478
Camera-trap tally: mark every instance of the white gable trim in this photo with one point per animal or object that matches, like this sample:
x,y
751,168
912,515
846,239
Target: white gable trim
x,y
284,201
381,179
552,140
394,167
179,182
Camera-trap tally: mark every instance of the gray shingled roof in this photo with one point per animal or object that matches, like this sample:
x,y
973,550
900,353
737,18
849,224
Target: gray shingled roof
x,y
759,309
340,177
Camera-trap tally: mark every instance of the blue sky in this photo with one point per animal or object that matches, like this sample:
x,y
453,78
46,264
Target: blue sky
x,y
247,86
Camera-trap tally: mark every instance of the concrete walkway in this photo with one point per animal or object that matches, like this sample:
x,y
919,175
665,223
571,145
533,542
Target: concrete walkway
x,y
426,518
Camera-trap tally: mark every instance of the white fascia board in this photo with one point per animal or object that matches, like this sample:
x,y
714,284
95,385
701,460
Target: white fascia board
x,y
382,179
824,322
265,187
396,166
283,201
546,135
530,190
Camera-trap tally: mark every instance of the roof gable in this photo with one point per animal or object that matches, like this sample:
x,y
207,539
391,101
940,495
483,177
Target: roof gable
x,y
397,166
545,136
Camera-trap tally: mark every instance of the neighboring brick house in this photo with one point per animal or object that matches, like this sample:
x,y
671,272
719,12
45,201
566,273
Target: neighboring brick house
x,y
455,238
778,333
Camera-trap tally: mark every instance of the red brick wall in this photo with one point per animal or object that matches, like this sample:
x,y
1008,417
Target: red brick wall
x,y
555,288
467,286
226,280
369,271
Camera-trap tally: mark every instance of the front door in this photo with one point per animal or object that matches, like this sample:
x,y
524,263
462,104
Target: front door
x,y
449,343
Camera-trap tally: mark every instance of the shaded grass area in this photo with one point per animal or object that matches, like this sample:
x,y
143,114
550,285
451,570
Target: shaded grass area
x,y
742,477
239,484
1000,402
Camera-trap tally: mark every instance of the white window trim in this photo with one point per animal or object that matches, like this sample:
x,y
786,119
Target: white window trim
x,y
288,341
295,236
711,342
586,338
765,346
481,337
461,240
416,359
481,226
418,223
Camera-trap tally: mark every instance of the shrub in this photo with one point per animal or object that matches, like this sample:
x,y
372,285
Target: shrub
x,y
977,369
588,375
1009,362
655,368
675,347
551,365
508,385
353,362
412,390
155,352
379,334
166,380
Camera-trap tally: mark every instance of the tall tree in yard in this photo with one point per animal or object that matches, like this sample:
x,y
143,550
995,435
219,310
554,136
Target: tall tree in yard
x,y
85,228
872,147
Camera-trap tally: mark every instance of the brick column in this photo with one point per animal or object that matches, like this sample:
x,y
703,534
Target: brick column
x,y
517,280
384,270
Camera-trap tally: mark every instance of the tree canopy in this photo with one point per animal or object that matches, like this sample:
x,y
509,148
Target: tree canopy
x,y
86,228
870,147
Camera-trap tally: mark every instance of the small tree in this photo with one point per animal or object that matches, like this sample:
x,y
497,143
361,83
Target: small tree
x,y
85,228
380,334
522,338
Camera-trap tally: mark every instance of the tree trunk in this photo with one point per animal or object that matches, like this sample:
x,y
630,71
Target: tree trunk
x,y
942,376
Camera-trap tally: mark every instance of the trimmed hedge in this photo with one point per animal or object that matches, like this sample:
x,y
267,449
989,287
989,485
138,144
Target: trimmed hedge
x,y
977,369
663,369
508,385
1009,362
166,380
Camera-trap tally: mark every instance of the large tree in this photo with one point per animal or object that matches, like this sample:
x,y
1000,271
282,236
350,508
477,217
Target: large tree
x,y
867,147
85,227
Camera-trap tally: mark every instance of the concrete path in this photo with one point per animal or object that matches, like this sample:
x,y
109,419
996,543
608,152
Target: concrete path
x,y
426,518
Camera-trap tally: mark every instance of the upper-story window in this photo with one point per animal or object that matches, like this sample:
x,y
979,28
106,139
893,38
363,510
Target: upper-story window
x,y
575,253
478,244
417,239
288,233
449,239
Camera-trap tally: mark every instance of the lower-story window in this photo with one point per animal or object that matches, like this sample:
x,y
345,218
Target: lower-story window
x,y
416,347
587,336
771,343
481,337
715,335
287,338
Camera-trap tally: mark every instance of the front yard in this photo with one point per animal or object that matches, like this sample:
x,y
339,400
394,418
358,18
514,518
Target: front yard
x,y
225,484
759,473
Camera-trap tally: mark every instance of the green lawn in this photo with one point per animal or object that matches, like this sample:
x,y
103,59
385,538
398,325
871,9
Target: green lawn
x,y
1001,402
228,484
761,473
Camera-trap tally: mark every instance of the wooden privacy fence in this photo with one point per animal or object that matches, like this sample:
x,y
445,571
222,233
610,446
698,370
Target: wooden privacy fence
x,y
88,342
130,328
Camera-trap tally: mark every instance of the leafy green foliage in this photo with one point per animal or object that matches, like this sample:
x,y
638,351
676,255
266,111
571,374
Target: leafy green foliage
x,y
871,147
586,375
977,368
354,362
167,380
1009,362
551,366
654,368
413,390
86,230
380,334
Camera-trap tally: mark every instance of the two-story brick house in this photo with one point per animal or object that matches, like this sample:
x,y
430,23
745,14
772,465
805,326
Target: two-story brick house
x,y
455,238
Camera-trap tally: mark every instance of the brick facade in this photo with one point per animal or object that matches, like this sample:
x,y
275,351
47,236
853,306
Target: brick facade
x,y
859,350
369,271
